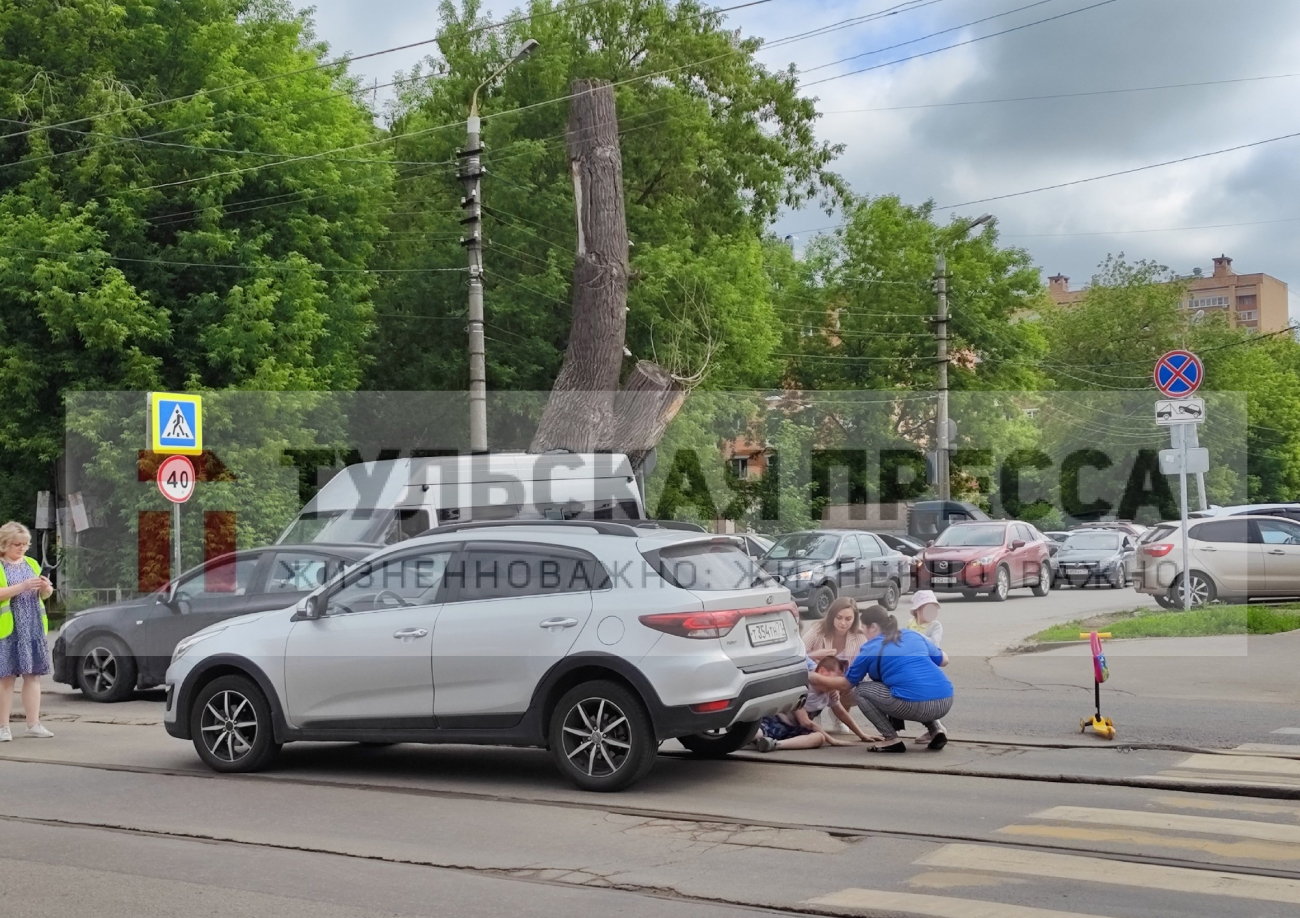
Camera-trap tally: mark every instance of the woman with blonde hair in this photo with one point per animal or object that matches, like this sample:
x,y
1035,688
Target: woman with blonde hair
x,y
23,626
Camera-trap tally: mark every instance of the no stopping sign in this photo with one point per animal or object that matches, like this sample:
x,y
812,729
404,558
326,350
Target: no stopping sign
x,y
176,479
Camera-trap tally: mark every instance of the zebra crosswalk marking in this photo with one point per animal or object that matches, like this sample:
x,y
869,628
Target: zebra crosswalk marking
x,y
1242,764
1174,822
1249,850
876,901
1229,806
990,859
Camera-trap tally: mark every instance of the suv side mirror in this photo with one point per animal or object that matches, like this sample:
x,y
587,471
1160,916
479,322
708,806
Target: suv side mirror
x,y
930,544
1017,543
309,609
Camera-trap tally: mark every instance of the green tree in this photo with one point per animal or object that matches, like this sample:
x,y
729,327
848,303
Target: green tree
x,y
713,145
172,213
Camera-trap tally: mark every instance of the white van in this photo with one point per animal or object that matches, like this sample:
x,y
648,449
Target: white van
x,y
389,500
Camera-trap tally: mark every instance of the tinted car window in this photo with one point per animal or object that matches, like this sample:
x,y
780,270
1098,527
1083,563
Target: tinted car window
x,y
811,545
971,536
1278,532
229,576
409,579
708,567
1221,531
300,572
502,573
1093,541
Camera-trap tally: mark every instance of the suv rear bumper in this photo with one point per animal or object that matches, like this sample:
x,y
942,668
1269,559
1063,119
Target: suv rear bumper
x,y
760,698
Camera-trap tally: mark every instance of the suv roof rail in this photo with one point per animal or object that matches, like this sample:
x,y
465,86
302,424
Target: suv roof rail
x,y
604,527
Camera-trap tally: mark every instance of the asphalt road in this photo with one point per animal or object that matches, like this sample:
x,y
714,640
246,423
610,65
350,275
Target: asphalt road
x,y
133,825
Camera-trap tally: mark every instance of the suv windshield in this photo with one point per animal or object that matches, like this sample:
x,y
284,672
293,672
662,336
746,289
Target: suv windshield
x,y
971,536
810,545
1093,541
333,526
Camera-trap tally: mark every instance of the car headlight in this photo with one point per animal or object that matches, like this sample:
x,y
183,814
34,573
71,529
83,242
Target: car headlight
x,y
187,643
809,574
987,559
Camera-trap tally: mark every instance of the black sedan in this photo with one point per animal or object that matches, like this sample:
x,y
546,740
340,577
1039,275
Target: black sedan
x,y
111,651
816,567
1095,556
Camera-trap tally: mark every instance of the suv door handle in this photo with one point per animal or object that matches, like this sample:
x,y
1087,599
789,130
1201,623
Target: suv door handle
x,y
1276,551
559,623
1207,548
407,634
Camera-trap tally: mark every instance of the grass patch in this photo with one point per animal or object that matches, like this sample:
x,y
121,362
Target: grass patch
x,y
1197,623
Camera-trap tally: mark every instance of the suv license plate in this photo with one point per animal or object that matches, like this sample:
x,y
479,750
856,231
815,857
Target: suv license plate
x,y
943,581
771,632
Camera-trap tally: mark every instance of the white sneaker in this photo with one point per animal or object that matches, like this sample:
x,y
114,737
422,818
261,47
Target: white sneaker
x,y
5,735
39,731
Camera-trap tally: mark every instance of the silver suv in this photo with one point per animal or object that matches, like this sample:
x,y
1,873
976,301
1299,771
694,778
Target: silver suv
x,y
1232,557
596,640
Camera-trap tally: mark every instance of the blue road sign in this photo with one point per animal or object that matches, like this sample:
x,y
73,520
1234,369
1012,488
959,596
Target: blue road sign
x,y
1179,374
175,423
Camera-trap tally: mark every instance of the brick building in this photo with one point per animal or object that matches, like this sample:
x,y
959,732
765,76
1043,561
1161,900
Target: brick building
x,y
1254,301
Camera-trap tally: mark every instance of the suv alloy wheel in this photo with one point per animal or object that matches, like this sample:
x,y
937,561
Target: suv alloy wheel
x,y
1203,590
105,669
1044,584
232,726
1002,585
601,738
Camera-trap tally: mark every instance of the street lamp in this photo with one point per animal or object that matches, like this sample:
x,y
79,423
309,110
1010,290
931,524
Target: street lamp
x,y
472,174
944,482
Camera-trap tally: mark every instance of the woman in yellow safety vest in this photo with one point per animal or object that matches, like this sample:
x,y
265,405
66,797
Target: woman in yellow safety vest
x,y
23,627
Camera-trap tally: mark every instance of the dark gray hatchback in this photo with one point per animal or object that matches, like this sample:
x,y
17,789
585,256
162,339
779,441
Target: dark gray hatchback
x,y
110,651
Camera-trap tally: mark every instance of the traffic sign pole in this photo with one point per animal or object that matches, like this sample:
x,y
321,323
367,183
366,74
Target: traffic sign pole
x,y
1182,497
176,540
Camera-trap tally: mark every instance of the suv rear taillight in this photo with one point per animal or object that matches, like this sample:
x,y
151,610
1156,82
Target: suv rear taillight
x,y
703,625
1158,551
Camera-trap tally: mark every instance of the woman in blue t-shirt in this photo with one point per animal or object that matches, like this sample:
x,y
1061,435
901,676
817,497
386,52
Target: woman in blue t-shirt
x,y
906,681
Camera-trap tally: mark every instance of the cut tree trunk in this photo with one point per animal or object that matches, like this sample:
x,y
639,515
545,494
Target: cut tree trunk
x,y
643,409
580,413
586,411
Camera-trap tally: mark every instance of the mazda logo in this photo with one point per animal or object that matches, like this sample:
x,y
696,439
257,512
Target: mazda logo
x,y
942,565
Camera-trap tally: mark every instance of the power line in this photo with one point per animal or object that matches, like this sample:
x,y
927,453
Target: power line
x,y
1059,95
912,41
1097,178
969,41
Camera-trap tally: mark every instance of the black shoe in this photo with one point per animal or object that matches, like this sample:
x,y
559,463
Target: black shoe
x,y
899,746
940,740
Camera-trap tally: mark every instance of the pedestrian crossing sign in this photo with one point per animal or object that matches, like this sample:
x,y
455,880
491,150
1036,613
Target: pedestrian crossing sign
x,y
175,423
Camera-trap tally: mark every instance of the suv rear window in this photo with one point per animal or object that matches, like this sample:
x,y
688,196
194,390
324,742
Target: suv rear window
x,y
712,567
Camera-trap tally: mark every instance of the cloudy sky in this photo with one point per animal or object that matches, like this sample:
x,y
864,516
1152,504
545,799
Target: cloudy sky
x,y
904,134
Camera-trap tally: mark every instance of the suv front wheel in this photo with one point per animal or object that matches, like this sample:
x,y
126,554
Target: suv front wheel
x,y
601,737
231,726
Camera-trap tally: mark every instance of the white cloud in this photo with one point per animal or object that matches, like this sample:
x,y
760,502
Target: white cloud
x,y
961,153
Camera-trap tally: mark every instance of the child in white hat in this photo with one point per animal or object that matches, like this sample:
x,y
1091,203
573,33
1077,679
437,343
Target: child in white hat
x,y
925,616
925,619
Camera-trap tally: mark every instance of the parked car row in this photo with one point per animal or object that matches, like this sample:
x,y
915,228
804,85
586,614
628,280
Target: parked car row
x,y
1230,558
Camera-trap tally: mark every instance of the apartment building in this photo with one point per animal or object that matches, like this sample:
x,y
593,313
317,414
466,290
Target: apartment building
x,y
1254,301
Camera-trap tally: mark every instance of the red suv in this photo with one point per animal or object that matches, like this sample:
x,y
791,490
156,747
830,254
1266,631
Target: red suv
x,y
992,558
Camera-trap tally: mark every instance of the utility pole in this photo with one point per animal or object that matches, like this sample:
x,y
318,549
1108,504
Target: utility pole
x,y
942,483
471,174
942,472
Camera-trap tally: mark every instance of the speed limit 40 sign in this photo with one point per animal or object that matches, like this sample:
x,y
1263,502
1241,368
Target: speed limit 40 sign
x,y
176,479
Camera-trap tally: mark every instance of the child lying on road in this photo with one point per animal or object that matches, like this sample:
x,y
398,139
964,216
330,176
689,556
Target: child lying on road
x,y
799,730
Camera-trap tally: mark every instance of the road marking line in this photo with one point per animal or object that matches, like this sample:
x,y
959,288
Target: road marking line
x,y
1237,850
1275,748
1223,779
1191,803
877,901
1242,764
1174,822
1116,873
